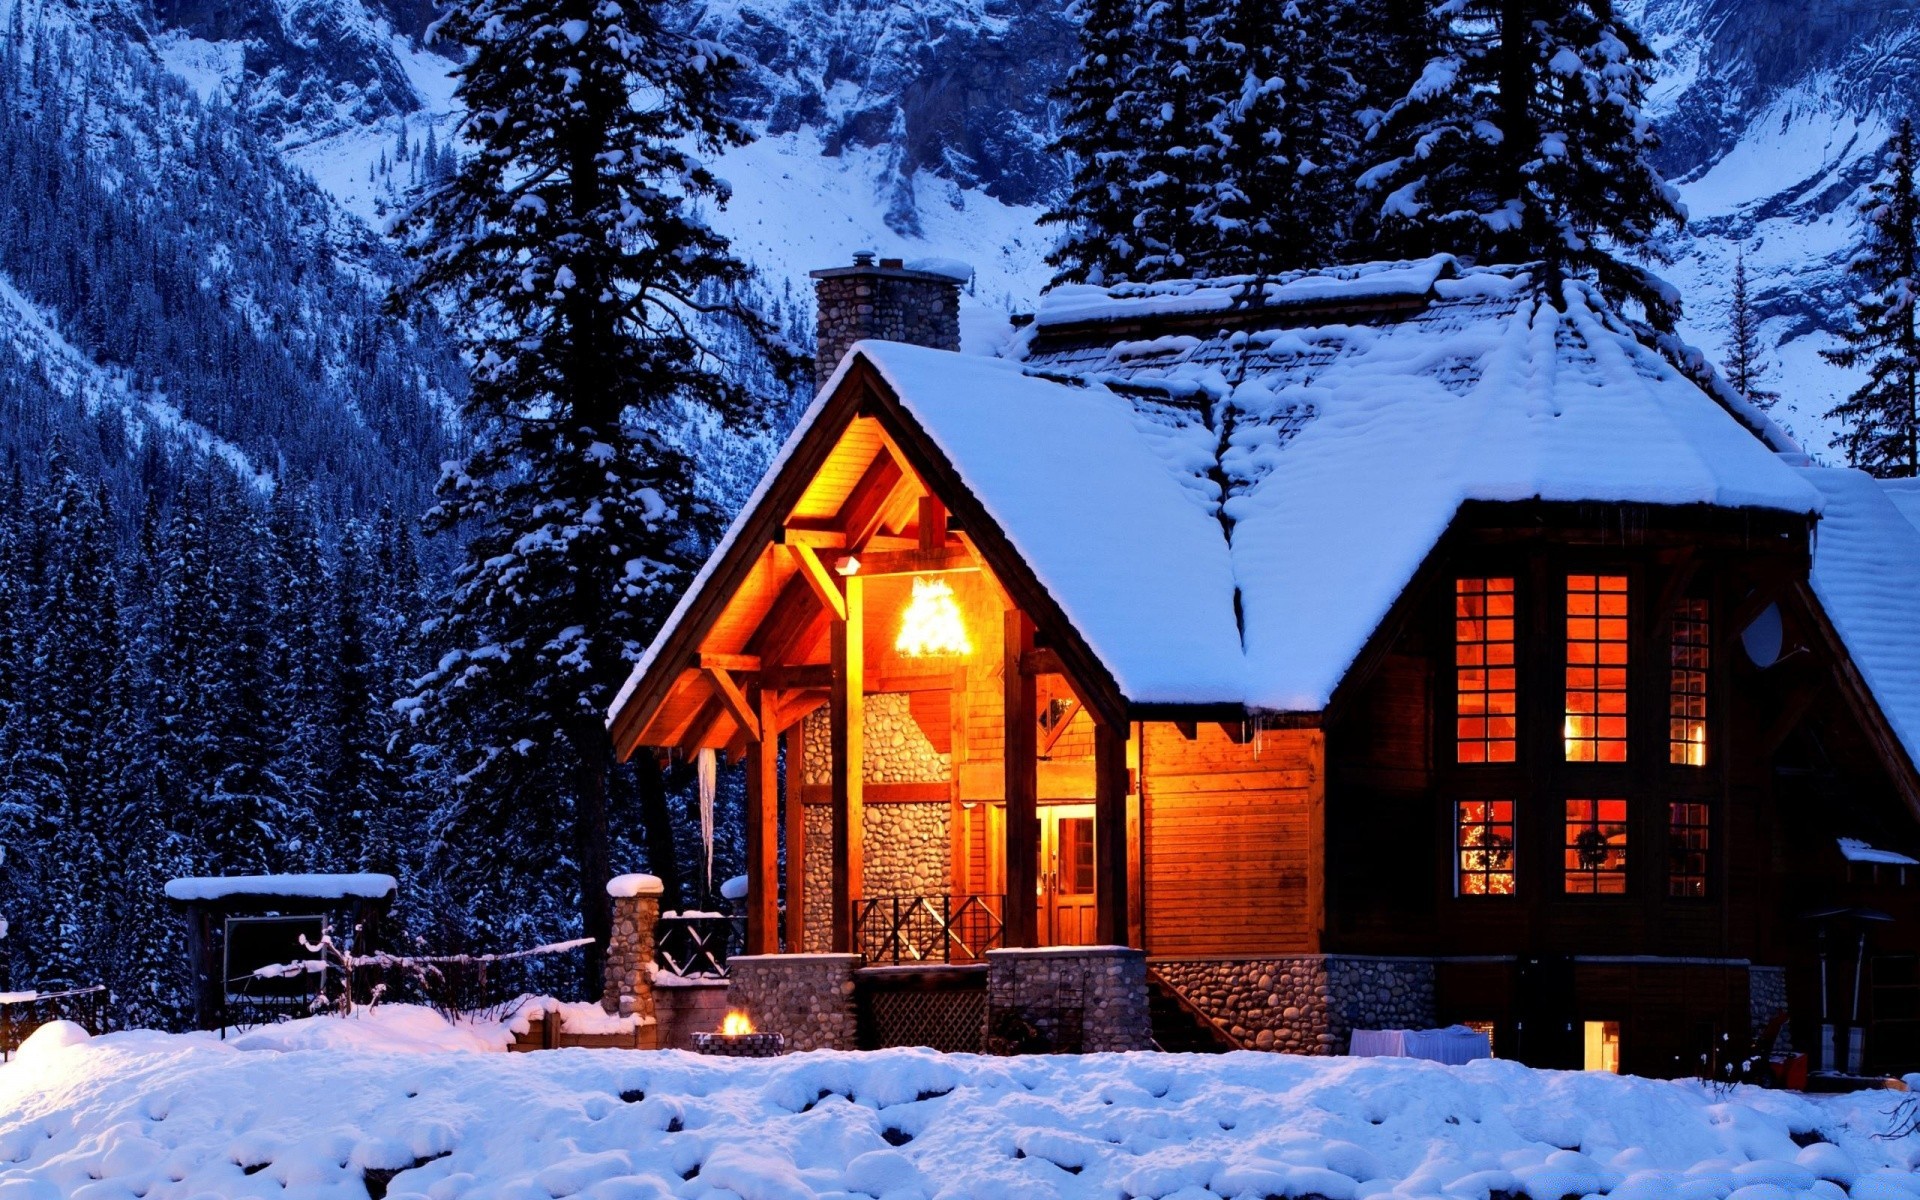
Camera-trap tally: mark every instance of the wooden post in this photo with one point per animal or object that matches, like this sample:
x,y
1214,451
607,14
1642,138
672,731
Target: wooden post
x,y
849,755
1110,833
763,843
797,837
959,883
1023,786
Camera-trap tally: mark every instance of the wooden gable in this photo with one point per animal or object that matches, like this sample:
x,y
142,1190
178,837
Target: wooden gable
x,y
865,481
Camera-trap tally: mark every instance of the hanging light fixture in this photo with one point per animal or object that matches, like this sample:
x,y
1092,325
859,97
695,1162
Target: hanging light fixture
x,y
931,627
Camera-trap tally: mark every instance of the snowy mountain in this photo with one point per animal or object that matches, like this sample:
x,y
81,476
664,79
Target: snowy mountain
x,y
1773,113
922,129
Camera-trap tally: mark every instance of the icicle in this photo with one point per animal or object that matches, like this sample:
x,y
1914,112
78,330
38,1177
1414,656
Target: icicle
x,y
707,768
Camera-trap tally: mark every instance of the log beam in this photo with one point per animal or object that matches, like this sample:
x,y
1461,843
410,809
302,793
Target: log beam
x,y
916,562
1110,833
763,839
848,700
820,580
736,702
796,838
1022,785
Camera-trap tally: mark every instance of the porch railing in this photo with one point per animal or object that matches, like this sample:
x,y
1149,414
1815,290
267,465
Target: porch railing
x,y
23,1012
697,946
928,929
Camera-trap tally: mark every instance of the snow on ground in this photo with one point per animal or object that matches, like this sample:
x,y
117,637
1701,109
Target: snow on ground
x,y
331,1108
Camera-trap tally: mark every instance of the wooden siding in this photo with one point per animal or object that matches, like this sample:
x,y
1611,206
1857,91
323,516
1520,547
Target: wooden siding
x,y
1231,862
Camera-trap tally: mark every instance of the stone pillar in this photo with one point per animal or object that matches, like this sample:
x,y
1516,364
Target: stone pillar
x,y
629,981
1067,999
885,301
806,998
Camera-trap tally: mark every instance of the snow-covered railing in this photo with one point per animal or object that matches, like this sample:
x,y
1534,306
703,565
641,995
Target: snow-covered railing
x,y
696,945
23,1012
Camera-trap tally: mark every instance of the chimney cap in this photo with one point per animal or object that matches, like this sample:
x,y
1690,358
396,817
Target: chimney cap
x,y
863,258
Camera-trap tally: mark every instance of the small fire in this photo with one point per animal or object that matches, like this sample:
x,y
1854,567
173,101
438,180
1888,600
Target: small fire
x,y
737,1024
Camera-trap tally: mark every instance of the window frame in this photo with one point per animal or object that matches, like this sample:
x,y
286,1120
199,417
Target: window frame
x,y
1456,671
1595,823
1460,849
1566,576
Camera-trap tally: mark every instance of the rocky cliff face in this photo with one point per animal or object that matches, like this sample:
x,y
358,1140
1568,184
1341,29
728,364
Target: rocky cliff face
x,y
922,128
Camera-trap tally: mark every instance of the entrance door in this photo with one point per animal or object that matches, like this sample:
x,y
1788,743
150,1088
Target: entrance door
x,y
1066,875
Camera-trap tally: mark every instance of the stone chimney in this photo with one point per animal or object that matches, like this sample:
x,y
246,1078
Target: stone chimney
x,y
884,300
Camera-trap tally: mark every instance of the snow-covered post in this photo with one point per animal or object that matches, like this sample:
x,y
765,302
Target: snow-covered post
x,y
629,978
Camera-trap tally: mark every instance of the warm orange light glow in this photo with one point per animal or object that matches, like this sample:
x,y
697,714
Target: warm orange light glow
x,y
736,1024
931,625
1687,691
1596,716
1485,695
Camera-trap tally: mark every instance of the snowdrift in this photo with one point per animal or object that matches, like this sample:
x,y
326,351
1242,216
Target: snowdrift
x,y
402,1105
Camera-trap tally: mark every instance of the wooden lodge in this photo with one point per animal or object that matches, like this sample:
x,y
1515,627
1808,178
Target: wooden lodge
x,y
1373,648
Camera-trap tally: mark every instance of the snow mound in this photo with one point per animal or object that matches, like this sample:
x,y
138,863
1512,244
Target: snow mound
x,y
625,887
322,1114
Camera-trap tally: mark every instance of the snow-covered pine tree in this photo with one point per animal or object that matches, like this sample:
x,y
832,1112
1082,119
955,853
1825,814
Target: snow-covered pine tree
x,y
1140,131
1278,182
1881,419
1525,140
1744,365
1101,137
569,248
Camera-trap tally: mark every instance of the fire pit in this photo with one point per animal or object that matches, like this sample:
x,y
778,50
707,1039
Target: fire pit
x,y
736,1039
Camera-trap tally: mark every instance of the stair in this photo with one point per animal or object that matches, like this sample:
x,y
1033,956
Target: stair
x,y
1178,1026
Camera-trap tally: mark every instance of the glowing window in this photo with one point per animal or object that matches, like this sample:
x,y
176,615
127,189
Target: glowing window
x,y
1603,1046
1687,849
1596,726
1687,691
1596,847
1483,671
1485,843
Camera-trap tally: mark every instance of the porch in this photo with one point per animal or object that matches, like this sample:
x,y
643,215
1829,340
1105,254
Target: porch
x,y
937,766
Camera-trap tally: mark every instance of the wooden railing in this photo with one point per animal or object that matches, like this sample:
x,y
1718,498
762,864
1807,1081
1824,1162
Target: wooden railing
x,y
928,929
697,946
22,1013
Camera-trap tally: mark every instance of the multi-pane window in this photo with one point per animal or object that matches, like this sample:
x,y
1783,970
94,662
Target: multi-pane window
x,y
1687,691
1596,847
1596,724
1485,729
1686,849
1485,844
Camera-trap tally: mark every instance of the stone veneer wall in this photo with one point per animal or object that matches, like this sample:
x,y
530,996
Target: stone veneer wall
x,y
806,998
1306,1004
908,852
1078,998
629,971
881,301
897,749
908,846
1767,995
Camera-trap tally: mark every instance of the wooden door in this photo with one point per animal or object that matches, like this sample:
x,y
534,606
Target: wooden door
x,y
1067,880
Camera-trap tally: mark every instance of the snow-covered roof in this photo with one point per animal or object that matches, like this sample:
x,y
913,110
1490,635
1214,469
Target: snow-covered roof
x,y
1857,851
1345,447
302,887
1866,573
1226,515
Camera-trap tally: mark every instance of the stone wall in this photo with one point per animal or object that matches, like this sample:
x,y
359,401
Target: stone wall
x,y
806,998
908,851
1075,999
628,989
881,301
908,846
897,749
1767,995
1306,1004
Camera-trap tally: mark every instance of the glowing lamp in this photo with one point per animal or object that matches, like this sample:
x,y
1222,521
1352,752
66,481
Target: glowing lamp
x,y
931,626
